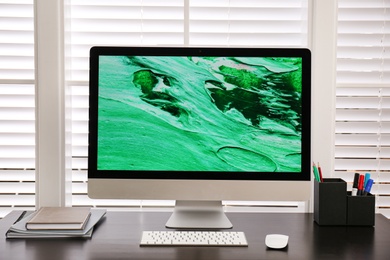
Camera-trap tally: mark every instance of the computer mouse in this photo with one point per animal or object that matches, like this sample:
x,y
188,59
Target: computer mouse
x,y
276,241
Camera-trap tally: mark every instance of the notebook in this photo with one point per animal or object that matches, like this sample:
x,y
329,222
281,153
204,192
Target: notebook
x,y
59,218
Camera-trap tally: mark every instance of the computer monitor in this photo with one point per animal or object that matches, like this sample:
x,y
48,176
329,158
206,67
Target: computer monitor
x,y
199,125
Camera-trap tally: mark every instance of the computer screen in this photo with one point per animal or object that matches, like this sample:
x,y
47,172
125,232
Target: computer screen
x,y
199,124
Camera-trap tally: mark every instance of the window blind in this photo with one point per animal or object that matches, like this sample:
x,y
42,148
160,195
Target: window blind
x,y
362,141
17,106
248,23
173,23
120,23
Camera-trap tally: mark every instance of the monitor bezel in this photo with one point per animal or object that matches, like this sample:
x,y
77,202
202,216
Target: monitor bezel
x,y
96,52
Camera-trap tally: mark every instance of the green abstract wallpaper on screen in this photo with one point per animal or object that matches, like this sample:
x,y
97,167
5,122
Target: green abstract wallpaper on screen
x,y
199,114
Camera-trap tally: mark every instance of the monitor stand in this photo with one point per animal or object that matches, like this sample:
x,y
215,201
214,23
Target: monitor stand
x,y
198,215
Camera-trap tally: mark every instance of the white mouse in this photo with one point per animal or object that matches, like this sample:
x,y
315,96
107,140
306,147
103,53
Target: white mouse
x,y
276,241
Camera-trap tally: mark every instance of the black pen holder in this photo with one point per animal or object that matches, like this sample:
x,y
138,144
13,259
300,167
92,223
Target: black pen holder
x,y
360,210
330,202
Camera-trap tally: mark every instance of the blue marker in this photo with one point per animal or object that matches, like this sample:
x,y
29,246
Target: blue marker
x,y
368,186
366,178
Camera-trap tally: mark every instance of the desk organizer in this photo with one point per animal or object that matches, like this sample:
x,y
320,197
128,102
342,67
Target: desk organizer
x,y
334,206
330,202
360,210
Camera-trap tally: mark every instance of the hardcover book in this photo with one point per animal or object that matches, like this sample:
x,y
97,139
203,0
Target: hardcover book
x,y
59,218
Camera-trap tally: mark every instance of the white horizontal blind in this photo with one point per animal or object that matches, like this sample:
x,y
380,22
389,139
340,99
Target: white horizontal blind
x,y
175,23
111,22
17,105
363,95
274,23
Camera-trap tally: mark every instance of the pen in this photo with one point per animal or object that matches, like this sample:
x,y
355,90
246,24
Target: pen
x,y
355,184
360,186
21,216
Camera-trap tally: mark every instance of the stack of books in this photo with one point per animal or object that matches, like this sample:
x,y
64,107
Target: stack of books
x,y
56,222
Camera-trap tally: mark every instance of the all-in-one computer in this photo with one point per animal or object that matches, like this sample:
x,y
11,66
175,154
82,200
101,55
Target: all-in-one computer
x,y
199,125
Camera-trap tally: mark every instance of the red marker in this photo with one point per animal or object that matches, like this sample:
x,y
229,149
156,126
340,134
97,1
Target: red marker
x,y
361,185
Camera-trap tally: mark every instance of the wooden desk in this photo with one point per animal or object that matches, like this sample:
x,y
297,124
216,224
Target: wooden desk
x,y
118,236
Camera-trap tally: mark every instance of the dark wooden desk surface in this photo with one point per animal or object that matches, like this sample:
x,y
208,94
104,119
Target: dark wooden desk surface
x,y
118,236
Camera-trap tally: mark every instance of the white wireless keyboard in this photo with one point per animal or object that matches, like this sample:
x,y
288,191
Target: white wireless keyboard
x,y
193,238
